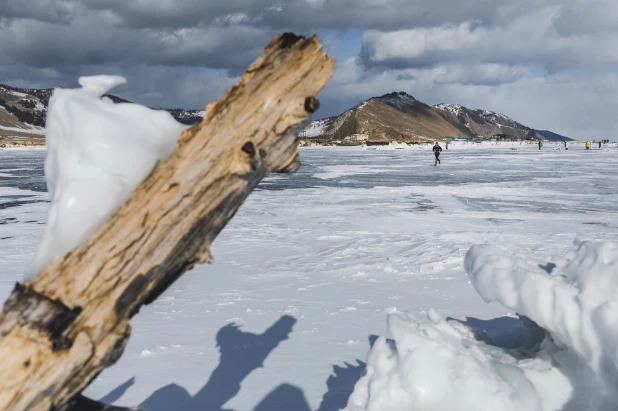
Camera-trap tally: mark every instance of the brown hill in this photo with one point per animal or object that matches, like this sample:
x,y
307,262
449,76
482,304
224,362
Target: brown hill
x,y
394,116
401,117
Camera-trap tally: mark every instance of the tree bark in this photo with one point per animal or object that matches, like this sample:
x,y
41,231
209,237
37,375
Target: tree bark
x,y
72,321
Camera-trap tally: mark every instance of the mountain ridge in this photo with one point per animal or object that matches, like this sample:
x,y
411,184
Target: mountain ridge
x,y
394,116
417,122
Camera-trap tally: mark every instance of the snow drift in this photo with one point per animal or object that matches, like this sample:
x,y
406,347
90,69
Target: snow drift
x,y
98,152
443,365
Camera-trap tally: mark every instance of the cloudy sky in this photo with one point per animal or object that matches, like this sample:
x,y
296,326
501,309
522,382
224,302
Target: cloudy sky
x,y
549,64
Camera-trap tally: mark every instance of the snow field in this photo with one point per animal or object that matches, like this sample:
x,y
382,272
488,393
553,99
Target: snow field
x,y
312,265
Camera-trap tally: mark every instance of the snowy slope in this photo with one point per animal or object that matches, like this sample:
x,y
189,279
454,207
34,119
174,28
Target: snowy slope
x,y
316,128
22,112
484,122
187,116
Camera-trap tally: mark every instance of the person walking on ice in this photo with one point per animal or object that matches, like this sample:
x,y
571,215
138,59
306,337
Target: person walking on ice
x,y
436,151
566,145
587,145
540,144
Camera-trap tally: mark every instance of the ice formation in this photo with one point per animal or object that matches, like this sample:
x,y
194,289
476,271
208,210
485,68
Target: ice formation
x,y
98,152
446,365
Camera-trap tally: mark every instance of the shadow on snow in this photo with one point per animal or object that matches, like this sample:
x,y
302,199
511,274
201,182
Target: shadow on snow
x,y
243,352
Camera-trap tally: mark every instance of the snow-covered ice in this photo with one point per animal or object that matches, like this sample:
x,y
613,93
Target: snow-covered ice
x,y
98,152
312,266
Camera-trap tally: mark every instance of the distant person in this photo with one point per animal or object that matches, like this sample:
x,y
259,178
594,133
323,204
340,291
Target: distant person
x,y
566,145
599,144
436,151
587,145
540,144
446,144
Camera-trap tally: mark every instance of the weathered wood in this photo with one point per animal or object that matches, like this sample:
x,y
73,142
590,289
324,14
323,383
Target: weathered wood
x,y
70,322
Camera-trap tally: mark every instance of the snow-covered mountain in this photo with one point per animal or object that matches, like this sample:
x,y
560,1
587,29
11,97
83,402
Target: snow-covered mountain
x,y
23,112
186,116
399,116
484,123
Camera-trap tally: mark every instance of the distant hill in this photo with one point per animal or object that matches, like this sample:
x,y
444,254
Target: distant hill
x,y
23,112
551,136
395,116
484,123
399,116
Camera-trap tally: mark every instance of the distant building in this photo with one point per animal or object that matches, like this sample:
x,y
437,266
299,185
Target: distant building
x,y
504,137
357,137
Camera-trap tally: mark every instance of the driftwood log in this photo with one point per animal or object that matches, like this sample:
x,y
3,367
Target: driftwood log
x,y
69,323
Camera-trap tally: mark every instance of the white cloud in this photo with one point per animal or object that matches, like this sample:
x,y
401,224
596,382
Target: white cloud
x,y
529,39
574,105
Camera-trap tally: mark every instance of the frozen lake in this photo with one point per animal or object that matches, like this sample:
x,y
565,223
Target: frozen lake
x,y
306,271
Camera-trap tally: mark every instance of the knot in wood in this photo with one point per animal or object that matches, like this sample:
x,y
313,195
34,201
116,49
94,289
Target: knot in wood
x,y
312,104
41,313
249,148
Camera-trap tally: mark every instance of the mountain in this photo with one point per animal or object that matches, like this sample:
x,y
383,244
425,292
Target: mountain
x,y
188,117
23,112
399,116
394,116
551,136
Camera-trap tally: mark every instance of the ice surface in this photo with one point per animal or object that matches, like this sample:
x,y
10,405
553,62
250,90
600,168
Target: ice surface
x,y
375,229
97,154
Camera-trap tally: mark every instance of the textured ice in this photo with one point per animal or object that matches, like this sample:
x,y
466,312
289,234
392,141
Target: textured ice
x,y
392,230
97,154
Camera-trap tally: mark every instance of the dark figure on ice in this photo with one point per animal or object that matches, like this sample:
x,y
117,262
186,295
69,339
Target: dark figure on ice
x,y
436,151
599,144
540,144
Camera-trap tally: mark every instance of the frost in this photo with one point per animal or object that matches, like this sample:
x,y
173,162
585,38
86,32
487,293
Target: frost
x,y
98,152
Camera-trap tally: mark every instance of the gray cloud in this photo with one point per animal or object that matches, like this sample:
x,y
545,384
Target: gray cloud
x,y
511,56
56,11
175,14
529,39
578,17
577,105
89,41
